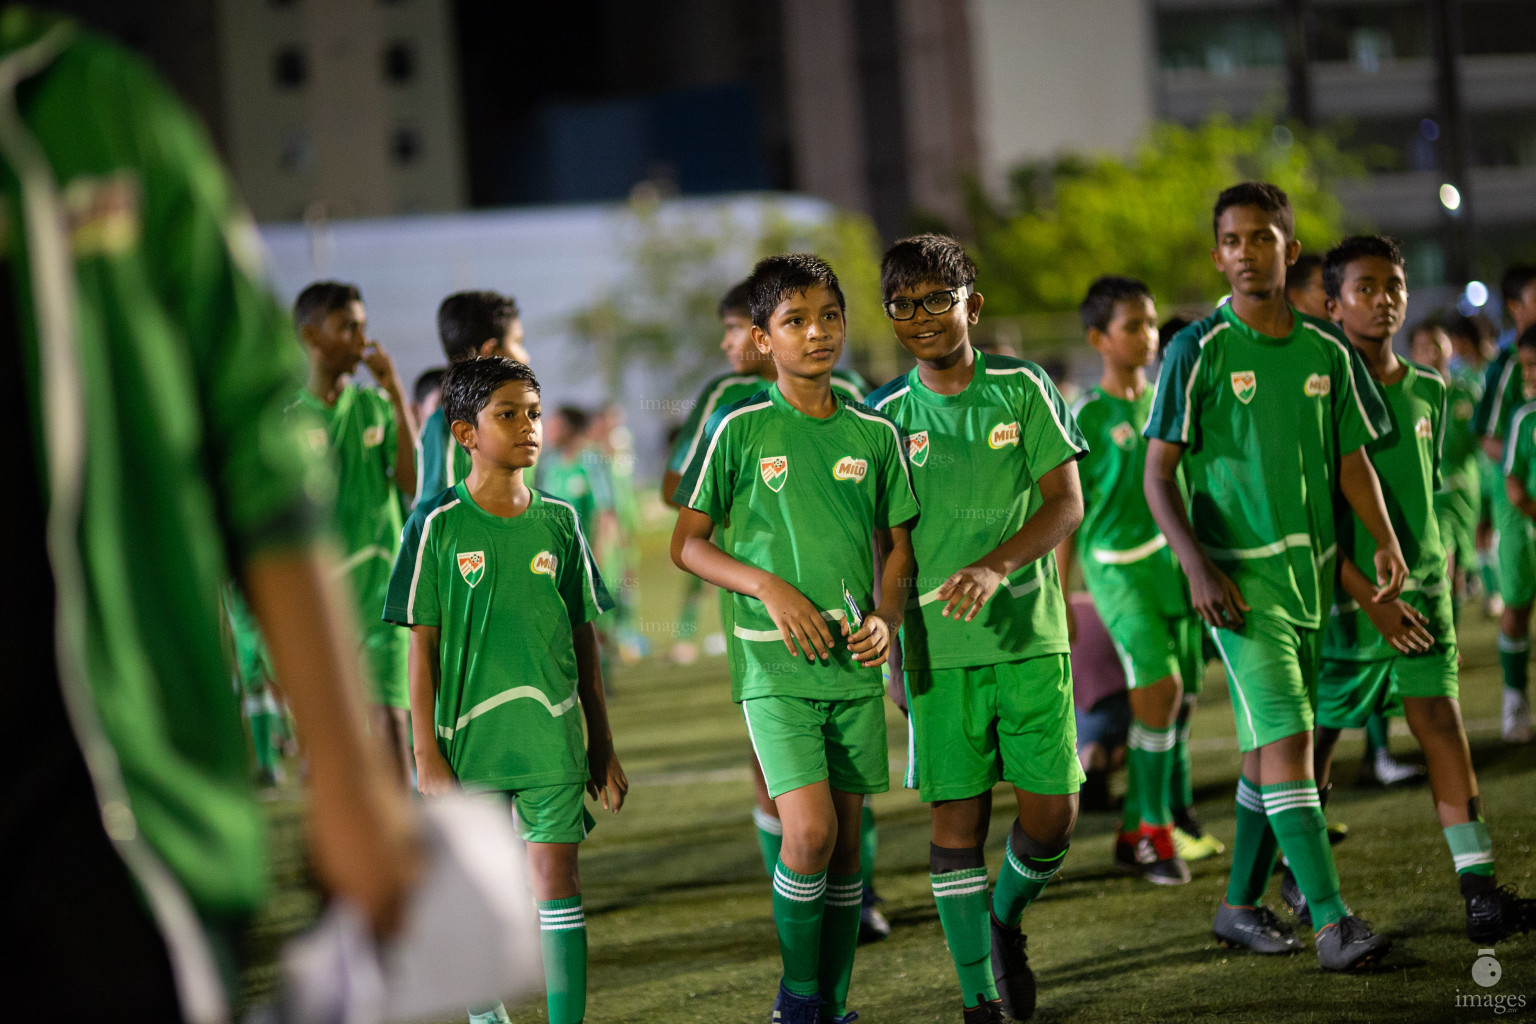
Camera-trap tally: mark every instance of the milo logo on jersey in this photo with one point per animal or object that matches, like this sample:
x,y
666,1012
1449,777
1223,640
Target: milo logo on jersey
x,y
1424,428
917,448
373,436
1462,410
545,564
850,468
472,567
1003,435
1244,384
1317,385
1124,435
775,470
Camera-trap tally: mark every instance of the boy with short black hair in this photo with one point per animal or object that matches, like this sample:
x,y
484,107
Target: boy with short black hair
x,y
1268,412
750,371
1506,388
801,480
499,589
1399,656
1135,581
985,651
469,324
368,434
427,392
1304,286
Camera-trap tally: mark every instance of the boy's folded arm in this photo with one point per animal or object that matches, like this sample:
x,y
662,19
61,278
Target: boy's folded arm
x,y
1216,598
693,551
1361,488
1060,512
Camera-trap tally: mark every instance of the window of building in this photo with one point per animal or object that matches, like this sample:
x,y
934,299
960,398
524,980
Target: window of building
x,y
1504,138
1371,34
290,69
1220,42
1497,26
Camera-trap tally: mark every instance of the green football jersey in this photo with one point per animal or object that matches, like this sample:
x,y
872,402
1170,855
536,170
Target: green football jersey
x,y
799,497
581,480
1125,556
1503,393
1459,470
1520,454
359,438
440,462
730,388
1264,422
1407,462
976,458
505,593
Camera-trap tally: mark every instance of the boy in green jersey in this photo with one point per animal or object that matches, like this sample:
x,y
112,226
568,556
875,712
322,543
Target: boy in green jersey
x,y
1268,412
499,589
368,435
469,324
1506,388
994,454
1456,501
750,371
800,480
1472,349
1399,656
1131,575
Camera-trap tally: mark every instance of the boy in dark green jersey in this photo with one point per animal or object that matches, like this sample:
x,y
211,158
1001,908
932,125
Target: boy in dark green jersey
x,y
1133,578
1456,502
469,324
368,434
750,371
499,589
801,480
1268,412
1399,656
994,454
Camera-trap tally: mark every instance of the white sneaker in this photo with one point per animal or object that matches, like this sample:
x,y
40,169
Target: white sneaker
x,y
1517,717
1390,771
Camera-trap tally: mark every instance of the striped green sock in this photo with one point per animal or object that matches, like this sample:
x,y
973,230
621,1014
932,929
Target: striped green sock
x,y
1027,870
869,843
770,836
1296,815
1151,757
839,941
563,928
959,880
797,911
1515,660
1471,848
1254,848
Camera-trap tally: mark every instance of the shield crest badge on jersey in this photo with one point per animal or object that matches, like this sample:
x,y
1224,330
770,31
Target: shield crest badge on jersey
x,y
1124,435
917,448
775,470
1244,383
472,567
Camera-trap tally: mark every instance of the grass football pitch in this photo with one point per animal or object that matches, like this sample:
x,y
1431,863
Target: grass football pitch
x,y
678,908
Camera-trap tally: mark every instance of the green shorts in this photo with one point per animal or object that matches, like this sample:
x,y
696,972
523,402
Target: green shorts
x,y
1153,647
1517,553
1272,670
1350,692
800,742
970,728
386,648
552,814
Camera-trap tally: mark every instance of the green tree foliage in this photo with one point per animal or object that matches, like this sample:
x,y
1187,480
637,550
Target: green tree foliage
x,y
1067,221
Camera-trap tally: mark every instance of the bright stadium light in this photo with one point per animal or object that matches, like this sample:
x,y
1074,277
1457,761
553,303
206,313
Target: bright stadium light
x,y
1450,197
1477,293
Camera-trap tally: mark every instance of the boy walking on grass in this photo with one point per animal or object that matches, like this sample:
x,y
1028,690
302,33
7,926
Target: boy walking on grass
x,y
499,589
800,480
994,457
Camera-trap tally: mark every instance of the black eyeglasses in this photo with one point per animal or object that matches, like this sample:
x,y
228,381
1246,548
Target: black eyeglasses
x,y
934,302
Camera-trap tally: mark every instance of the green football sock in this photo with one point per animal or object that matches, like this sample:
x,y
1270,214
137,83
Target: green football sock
x,y
1471,848
959,880
1254,848
1296,815
563,929
1375,735
1181,788
770,836
1151,757
839,941
869,843
1514,659
1130,810
1027,870
797,912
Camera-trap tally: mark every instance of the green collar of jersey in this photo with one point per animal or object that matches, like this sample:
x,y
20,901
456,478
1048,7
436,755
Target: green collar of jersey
x,y
1298,324
461,490
311,401
782,404
923,393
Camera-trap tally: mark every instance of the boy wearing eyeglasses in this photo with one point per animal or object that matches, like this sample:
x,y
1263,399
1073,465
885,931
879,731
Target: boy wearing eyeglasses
x,y
993,450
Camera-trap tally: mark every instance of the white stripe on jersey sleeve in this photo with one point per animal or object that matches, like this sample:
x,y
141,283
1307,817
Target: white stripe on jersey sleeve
x,y
586,552
888,399
901,448
1194,374
1045,397
709,452
1512,442
1500,391
421,545
1350,369
709,410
